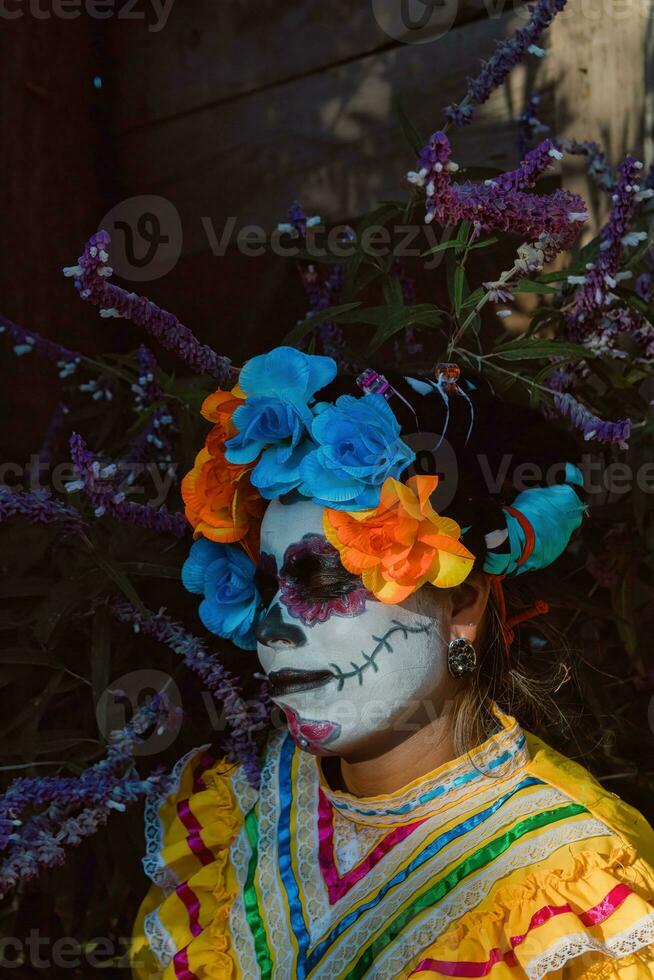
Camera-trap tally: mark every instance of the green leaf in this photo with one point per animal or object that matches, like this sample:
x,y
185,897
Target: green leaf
x,y
411,133
114,571
63,599
100,651
463,236
519,350
392,290
458,288
304,327
442,247
543,315
484,244
152,570
399,318
531,286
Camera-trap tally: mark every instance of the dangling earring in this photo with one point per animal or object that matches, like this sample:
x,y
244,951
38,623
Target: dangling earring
x,y
461,657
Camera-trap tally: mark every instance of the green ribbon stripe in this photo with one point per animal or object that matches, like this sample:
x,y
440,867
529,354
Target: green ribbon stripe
x,y
440,888
251,903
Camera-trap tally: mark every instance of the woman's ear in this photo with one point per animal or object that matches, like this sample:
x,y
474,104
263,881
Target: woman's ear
x,y
469,602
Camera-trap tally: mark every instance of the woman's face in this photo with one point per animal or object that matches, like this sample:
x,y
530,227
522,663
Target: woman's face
x,y
353,676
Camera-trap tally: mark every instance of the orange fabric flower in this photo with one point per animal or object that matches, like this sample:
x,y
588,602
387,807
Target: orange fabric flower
x,y
221,503
402,544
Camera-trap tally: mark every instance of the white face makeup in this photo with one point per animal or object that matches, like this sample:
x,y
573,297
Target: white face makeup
x,y
352,675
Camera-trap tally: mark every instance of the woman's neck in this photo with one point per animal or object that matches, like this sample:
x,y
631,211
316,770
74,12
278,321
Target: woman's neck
x,y
422,752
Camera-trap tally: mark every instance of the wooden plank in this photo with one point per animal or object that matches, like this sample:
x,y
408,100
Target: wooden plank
x,y
212,50
332,140
51,200
600,63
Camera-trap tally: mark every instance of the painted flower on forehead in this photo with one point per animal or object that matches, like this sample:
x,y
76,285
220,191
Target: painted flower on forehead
x,y
402,544
359,446
224,575
274,423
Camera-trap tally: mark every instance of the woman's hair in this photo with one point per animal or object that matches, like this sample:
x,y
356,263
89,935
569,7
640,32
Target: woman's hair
x,y
522,680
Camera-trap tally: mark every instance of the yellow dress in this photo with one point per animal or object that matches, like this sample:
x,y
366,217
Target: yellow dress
x,y
510,862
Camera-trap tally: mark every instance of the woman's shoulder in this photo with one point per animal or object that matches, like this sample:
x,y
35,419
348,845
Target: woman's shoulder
x,y
577,783
577,901
189,831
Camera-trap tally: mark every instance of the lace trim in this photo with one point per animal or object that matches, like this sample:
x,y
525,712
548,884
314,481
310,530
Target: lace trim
x,y
625,943
159,939
434,922
497,759
153,865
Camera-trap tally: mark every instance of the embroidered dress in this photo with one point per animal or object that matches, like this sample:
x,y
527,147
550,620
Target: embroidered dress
x,y
509,862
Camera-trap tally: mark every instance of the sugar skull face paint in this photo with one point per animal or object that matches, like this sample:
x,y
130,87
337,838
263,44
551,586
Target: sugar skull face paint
x,y
348,671
312,583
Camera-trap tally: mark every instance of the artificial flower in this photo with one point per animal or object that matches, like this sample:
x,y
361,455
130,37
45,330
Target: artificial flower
x,y
359,446
275,420
221,503
402,544
224,575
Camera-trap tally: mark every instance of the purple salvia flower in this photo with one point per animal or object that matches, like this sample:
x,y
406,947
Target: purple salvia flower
x,y
243,721
506,56
598,166
643,286
53,433
38,507
90,277
595,295
96,480
535,163
496,205
529,124
147,388
73,808
590,425
27,341
320,292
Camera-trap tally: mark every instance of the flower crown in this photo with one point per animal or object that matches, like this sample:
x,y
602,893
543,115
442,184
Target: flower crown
x,y
271,436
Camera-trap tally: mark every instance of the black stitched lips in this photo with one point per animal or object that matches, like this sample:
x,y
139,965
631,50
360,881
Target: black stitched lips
x,y
288,681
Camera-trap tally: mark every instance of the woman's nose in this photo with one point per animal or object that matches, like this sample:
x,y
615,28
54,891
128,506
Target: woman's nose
x,y
273,631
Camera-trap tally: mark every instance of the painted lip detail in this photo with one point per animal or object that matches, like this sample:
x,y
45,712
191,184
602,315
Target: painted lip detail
x,y
290,681
316,733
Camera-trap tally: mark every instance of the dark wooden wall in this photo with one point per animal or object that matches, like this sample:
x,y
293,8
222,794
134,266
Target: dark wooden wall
x,y
233,110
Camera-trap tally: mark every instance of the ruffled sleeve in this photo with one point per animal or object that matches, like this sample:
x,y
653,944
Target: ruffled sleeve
x,y
182,930
591,920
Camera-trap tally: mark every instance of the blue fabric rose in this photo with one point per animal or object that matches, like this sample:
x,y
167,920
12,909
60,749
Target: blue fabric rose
x,y
359,446
276,418
224,575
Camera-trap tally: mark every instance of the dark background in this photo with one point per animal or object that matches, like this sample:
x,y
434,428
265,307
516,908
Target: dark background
x,y
233,110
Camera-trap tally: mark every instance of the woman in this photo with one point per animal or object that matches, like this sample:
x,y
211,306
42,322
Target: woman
x,y
405,824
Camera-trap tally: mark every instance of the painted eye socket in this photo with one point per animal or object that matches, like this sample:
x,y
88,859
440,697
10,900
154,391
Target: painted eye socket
x,y
266,579
314,585
314,567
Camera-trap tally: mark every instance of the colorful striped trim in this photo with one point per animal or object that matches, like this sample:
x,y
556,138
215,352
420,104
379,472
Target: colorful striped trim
x,y
593,917
470,776
339,885
251,901
474,862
